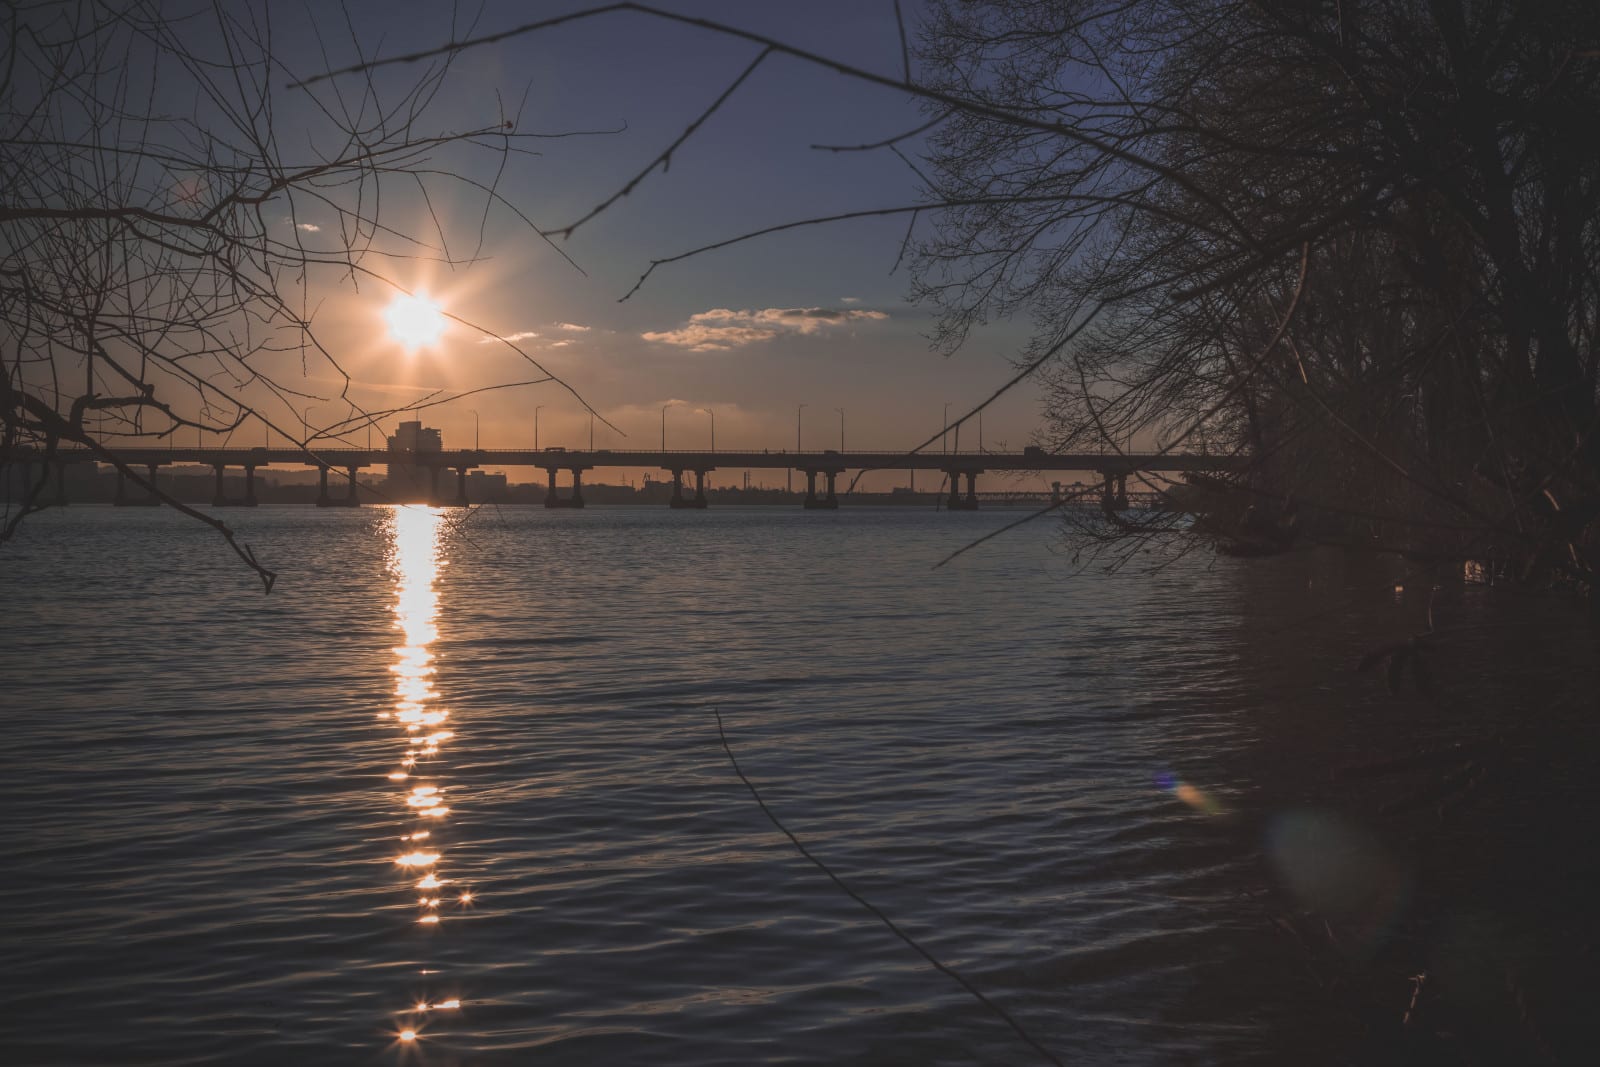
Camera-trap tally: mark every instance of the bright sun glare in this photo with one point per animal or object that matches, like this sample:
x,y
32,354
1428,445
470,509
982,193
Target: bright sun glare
x,y
414,321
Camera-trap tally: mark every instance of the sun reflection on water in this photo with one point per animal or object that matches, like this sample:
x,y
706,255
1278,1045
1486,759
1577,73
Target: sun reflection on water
x,y
415,560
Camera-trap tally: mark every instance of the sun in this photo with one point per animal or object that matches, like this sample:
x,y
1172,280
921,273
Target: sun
x,y
414,321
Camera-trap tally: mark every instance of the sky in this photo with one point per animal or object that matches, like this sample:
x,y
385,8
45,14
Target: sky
x,y
815,316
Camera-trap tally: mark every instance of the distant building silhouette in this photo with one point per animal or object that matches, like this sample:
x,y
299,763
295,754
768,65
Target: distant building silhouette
x,y
486,488
407,479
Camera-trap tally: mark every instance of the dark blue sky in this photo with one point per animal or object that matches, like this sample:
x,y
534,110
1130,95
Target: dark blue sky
x,y
747,356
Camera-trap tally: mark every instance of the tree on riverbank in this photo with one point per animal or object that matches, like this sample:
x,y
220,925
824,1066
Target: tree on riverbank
x,y
1359,243
169,224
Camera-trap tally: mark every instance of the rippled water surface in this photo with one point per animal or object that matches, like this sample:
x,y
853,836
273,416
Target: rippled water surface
x,y
456,795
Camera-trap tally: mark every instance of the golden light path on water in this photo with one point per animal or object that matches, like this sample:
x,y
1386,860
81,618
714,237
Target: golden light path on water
x,y
415,559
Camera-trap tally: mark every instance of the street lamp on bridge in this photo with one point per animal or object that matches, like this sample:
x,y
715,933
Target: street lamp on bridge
x,y
841,428
789,483
536,410
474,415
713,415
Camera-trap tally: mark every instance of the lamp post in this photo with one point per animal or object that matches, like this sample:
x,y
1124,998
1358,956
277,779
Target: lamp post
x,y
789,482
664,408
841,428
591,431
474,415
305,425
713,415
536,411
946,433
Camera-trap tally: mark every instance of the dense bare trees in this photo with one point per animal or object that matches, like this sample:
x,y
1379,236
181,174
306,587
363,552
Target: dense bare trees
x,y
1154,176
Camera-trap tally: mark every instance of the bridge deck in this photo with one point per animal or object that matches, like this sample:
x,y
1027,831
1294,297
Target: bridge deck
x,y
589,459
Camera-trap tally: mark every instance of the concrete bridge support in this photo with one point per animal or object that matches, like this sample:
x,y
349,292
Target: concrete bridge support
x,y
828,502
124,501
678,500
957,502
553,500
26,467
323,499
220,498
45,501
433,485
461,488
1114,492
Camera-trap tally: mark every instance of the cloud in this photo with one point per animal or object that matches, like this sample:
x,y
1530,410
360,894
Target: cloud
x,y
723,328
559,344
849,300
309,227
572,326
510,338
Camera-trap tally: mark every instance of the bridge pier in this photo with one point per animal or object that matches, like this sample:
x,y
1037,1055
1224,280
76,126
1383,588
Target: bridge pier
x,y
27,478
324,500
1114,492
60,500
830,502
956,501
124,501
679,500
433,484
552,500
220,499
461,488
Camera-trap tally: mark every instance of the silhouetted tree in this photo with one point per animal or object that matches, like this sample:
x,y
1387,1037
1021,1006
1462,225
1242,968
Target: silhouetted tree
x,y
167,228
1356,241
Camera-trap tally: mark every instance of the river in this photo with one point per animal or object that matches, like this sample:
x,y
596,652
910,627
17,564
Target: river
x,y
454,792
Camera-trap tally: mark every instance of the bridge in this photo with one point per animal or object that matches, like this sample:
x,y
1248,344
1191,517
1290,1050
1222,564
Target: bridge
x,y
1112,468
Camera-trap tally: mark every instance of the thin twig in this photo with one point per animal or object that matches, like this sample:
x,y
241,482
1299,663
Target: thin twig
x,y
880,916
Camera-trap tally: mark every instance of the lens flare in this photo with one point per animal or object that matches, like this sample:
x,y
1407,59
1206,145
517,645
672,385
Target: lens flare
x,y
1189,794
1341,872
